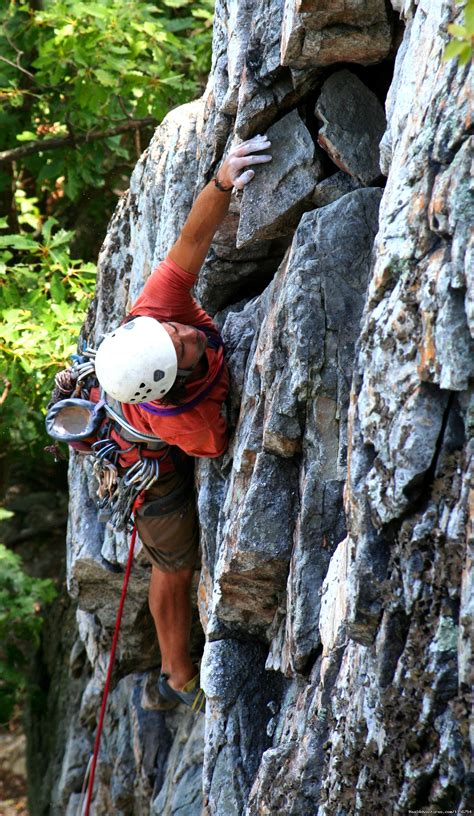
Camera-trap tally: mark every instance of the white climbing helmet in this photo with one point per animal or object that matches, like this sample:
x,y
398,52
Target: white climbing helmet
x,y
137,362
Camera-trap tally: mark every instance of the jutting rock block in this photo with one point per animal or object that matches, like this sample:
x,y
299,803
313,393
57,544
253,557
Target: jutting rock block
x,y
285,185
330,189
318,33
353,125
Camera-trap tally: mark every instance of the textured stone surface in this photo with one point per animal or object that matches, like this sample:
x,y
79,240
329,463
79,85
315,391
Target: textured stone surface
x,y
353,123
247,80
333,187
241,699
322,33
284,490
335,589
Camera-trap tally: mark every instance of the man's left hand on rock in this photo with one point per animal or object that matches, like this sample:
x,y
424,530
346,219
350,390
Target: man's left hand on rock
x,y
240,157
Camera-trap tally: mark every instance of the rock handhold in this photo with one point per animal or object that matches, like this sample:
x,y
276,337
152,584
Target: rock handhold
x,y
276,198
353,125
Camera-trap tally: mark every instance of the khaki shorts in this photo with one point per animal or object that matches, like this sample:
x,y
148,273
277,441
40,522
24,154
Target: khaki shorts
x,y
167,524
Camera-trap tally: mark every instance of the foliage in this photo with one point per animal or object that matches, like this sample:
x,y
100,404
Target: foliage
x,y
43,297
462,42
21,600
70,69
74,68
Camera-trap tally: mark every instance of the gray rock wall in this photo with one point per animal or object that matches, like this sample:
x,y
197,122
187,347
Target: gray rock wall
x,y
334,594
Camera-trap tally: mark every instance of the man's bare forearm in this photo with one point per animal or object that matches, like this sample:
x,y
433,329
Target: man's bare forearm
x,y
207,213
212,204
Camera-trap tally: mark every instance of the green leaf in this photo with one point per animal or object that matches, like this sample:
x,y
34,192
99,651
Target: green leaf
x,y
65,31
5,514
203,14
17,242
26,136
175,3
58,292
469,17
72,185
52,168
61,239
47,227
457,30
454,49
106,78
465,55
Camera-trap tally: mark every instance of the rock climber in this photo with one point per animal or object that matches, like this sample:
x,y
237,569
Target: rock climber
x,y
165,369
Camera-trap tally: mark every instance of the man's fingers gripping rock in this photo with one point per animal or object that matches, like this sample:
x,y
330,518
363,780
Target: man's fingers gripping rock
x,y
244,161
259,143
244,179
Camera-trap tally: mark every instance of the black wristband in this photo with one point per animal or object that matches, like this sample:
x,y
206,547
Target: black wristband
x,y
220,187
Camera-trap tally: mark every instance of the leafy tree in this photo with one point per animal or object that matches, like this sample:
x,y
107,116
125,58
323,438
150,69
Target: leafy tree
x,y
43,298
82,84
22,599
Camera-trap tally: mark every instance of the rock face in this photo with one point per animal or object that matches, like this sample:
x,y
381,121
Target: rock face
x,y
334,591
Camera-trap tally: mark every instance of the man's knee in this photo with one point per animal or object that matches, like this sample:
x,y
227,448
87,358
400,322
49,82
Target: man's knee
x,y
168,583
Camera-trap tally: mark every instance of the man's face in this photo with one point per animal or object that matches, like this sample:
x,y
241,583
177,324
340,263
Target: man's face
x,y
189,343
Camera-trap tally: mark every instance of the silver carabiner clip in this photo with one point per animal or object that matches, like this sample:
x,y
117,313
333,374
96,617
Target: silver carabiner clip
x,y
134,474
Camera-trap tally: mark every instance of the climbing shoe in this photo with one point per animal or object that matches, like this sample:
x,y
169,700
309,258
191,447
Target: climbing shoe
x,y
191,695
151,698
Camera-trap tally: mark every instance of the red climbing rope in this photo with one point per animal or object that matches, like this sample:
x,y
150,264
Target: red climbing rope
x,y
109,671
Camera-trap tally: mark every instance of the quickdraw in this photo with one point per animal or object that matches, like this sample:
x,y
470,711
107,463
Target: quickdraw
x,y
116,492
138,478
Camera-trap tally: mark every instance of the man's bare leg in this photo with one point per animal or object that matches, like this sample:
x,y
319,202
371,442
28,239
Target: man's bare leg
x,y
169,599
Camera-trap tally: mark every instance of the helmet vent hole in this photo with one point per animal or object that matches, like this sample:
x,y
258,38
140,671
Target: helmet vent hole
x,y
137,393
163,391
149,391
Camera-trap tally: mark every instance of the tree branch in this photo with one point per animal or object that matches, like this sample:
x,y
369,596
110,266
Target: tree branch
x,y
63,141
6,389
18,67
